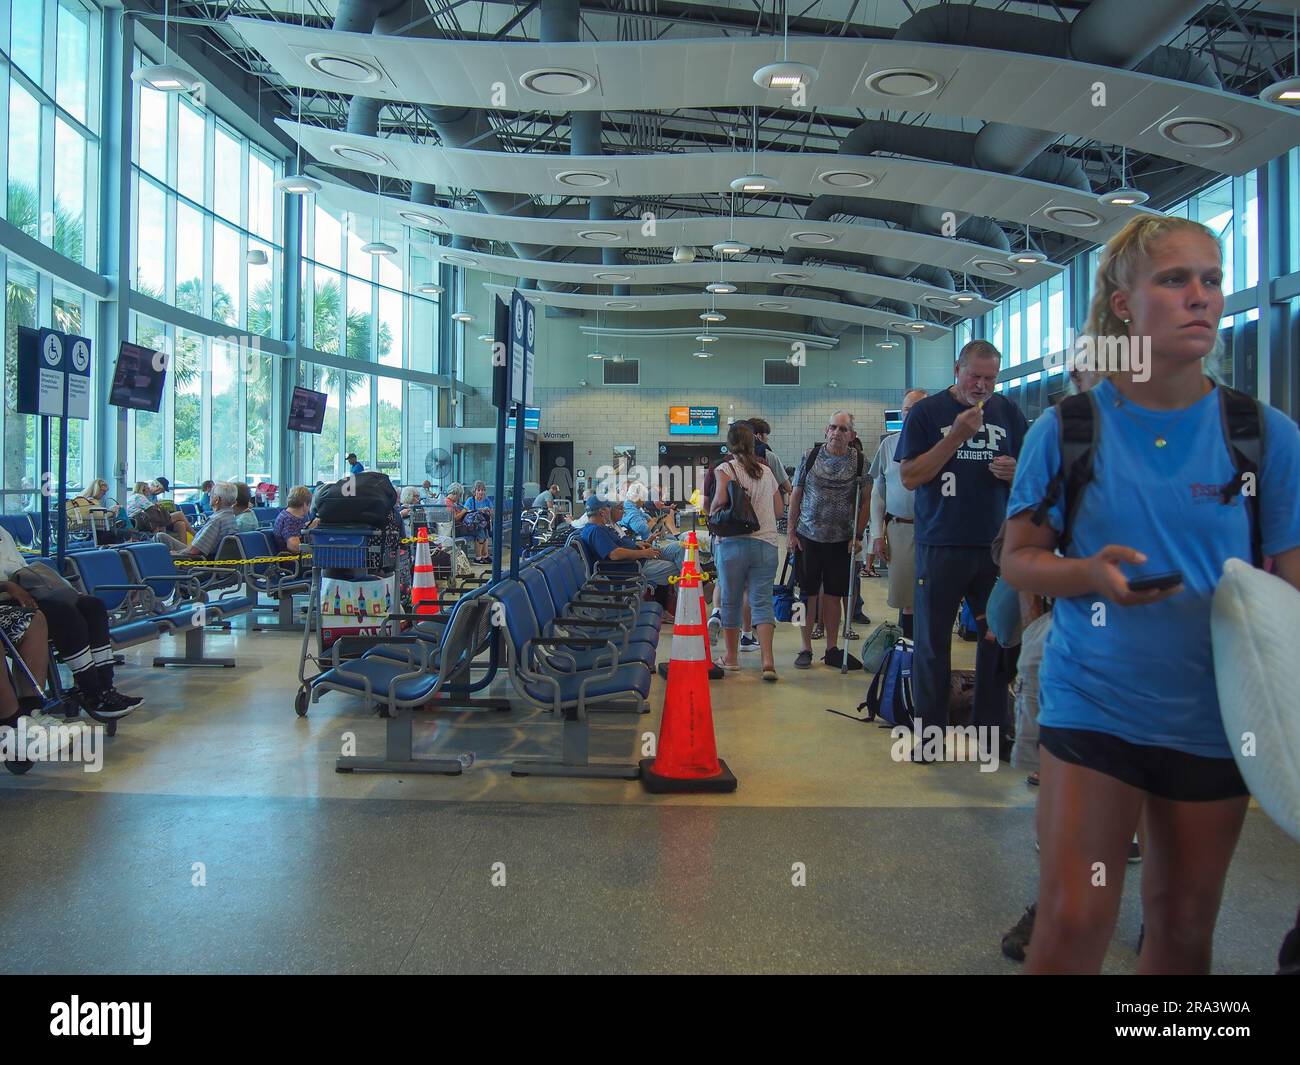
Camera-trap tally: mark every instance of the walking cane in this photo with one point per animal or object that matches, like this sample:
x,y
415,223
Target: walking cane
x,y
853,556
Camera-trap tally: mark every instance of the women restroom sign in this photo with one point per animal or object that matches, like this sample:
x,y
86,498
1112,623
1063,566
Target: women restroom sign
x,y
53,374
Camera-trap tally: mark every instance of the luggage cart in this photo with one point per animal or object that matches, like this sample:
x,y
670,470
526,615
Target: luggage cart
x,y
348,553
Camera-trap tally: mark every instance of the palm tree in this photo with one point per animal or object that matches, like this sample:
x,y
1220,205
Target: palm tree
x,y
24,212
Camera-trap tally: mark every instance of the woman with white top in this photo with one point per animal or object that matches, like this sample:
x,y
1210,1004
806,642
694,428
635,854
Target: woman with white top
x,y
748,561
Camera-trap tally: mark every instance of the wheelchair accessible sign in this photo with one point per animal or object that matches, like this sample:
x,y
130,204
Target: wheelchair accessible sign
x,y
53,374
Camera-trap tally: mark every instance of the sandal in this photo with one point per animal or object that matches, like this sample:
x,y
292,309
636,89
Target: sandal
x,y
1032,779
720,663
818,632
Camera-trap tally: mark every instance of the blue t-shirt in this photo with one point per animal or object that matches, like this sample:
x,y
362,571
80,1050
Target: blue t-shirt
x,y
636,521
1147,674
966,509
357,467
601,540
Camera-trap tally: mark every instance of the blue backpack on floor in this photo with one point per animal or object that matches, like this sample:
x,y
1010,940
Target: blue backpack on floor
x,y
890,694
967,626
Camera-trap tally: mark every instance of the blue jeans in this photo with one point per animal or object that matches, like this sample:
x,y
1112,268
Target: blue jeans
x,y
745,563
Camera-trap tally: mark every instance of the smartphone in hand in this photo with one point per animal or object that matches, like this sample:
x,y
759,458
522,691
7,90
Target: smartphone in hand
x,y
1157,582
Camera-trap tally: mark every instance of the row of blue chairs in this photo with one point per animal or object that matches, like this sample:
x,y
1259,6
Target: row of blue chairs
x,y
573,640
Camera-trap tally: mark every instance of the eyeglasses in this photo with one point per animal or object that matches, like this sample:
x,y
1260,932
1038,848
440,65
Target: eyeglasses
x,y
840,428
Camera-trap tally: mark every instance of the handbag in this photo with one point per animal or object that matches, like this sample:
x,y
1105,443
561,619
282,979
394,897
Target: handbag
x,y
737,518
44,585
153,519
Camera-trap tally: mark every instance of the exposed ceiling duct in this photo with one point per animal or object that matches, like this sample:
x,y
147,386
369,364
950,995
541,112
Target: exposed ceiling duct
x,y
1114,33
457,126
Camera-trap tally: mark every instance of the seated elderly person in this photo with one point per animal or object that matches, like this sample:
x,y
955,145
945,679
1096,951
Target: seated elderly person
x,y
293,520
409,500
640,524
604,541
223,523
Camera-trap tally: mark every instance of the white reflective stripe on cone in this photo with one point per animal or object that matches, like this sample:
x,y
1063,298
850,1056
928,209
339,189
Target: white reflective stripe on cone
x,y
688,648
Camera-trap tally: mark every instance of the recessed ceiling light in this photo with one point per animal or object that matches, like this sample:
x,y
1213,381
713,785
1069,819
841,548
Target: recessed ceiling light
x,y
1076,217
256,257
942,303
704,354
705,338
458,260
600,236
1286,93
992,266
378,247
712,316
430,290
724,287
813,237
846,179
1027,258
966,297
557,81
583,179
1124,197
730,247
902,81
344,67
462,316
419,218
621,305
166,77
785,77
772,305
608,275
364,156
1198,132
789,275
754,183
298,185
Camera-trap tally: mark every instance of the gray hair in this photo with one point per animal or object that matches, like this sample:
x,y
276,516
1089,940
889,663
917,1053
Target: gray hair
x,y
224,491
848,415
977,349
410,494
456,489
478,485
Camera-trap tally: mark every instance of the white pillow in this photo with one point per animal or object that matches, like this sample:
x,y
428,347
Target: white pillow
x,y
1255,625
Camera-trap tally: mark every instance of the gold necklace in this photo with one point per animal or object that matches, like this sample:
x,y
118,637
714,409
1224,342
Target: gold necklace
x,y
1159,440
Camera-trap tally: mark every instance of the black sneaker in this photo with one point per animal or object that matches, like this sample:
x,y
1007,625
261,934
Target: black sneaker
x,y
1016,941
835,658
861,618
803,660
107,705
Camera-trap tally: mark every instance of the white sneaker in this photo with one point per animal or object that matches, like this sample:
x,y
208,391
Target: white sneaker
x,y
748,642
55,725
715,627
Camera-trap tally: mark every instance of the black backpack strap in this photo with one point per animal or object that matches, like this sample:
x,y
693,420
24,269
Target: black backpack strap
x,y
1243,433
808,461
1078,428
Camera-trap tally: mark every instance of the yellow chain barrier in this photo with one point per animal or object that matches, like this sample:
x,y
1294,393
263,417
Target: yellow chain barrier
x,y
204,563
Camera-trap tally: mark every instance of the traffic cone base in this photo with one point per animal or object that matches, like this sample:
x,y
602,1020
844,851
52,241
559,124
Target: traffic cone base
x,y
724,780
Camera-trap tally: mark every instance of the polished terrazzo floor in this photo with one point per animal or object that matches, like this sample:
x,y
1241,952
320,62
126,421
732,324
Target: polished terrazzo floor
x,y
218,838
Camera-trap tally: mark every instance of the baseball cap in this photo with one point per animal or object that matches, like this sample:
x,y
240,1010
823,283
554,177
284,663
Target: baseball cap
x,y
595,504
163,483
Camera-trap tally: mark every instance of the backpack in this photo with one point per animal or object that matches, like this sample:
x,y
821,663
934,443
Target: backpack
x,y
1079,430
783,592
967,626
877,645
811,457
366,498
890,694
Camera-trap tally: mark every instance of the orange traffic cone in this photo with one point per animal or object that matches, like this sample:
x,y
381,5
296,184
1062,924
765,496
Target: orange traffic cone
x,y
424,588
688,754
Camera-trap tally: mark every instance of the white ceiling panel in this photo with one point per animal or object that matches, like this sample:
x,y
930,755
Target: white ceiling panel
x,y
957,256
777,305
703,272
938,185
1034,91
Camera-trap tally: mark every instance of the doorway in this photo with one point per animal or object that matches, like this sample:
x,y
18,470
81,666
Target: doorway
x,y
556,467
682,467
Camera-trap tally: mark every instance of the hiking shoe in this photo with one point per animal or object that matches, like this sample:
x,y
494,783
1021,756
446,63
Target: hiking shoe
x,y
818,632
803,660
835,658
1017,939
748,642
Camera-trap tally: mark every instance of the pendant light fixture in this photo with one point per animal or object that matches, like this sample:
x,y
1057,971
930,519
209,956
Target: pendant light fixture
x,y
754,181
785,76
1125,195
298,183
165,76
1287,91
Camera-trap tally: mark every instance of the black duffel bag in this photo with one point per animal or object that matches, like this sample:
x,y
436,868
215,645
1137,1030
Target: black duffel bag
x,y
366,498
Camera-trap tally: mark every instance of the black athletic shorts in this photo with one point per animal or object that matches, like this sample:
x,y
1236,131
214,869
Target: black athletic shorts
x,y
1159,771
823,567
